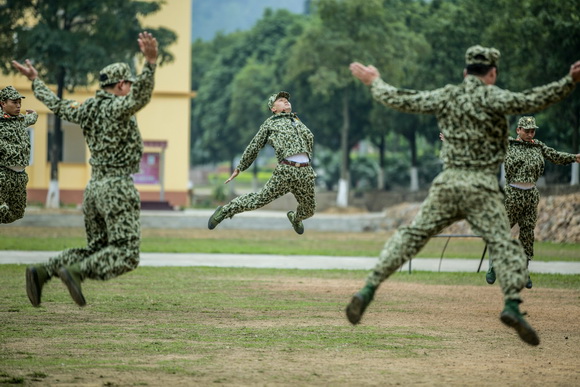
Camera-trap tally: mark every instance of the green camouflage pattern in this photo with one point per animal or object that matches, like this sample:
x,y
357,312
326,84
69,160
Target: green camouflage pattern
x,y
14,151
527,122
12,194
472,118
115,73
288,136
285,133
284,179
524,163
522,209
111,208
455,195
111,203
482,55
472,115
9,92
14,139
108,122
274,97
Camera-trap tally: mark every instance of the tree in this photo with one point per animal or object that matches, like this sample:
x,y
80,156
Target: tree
x,y
227,97
71,40
363,30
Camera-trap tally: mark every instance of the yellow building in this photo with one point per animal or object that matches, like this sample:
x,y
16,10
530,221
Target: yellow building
x,y
164,125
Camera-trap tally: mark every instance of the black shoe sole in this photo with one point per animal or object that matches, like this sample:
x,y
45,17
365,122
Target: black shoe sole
x,y
524,330
73,288
489,281
355,309
33,288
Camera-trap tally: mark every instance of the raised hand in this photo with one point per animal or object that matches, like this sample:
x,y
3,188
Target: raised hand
x,y
148,46
27,69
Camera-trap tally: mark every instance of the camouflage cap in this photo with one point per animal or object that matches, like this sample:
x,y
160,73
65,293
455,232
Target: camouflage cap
x,y
527,122
114,73
482,55
10,92
274,97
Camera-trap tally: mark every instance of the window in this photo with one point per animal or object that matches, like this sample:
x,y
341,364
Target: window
x,y
73,149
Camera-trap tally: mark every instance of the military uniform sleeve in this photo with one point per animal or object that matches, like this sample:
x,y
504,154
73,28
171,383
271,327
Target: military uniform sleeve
x,y
253,148
560,158
140,94
530,100
30,118
405,100
64,108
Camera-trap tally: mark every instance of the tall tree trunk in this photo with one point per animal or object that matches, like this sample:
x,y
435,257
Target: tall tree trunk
x,y
53,195
343,183
381,174
575,146
414,171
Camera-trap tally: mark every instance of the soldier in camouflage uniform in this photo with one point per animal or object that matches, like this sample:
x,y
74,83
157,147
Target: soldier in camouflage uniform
x,y
524,164
472,118
293,142
14,154
111,203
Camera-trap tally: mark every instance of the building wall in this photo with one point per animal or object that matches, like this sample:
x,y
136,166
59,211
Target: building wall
x,y
165,118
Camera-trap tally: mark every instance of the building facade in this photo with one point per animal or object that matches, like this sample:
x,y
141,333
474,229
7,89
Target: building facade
x,y
164,124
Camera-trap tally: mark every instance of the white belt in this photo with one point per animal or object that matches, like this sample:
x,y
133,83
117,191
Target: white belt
x,y
16,168
524,186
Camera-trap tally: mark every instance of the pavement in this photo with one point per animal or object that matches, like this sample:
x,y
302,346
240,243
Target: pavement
x,y
296,262
260,219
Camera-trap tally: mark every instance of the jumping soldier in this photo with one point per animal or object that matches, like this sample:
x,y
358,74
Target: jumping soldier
x,y
472,118
111,203
293,142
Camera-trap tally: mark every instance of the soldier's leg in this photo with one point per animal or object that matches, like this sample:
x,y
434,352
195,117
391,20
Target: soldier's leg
x,y
528,220
437,212
12,195
513,207
527,226
119,205
303,188
488,219
275,187
95,229
38,275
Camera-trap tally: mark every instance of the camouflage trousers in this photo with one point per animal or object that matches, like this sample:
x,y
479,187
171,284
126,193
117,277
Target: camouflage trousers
x,y
285,178
456,195
111,207
12,194
522,209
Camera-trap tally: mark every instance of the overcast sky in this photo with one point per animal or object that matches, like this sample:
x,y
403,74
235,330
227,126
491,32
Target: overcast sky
x,y
211,16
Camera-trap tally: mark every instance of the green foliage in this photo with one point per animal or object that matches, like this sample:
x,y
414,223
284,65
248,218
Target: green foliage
x,y
77,39
415,44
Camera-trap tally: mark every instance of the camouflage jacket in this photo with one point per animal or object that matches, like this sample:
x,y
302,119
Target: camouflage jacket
x,y
14,139
524,161
472,116
287,135
108,122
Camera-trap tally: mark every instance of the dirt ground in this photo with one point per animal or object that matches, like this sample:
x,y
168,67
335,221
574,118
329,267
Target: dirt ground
x,y
431,335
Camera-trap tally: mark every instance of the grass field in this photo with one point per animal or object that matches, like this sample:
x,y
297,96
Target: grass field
x,y
184,326
267,242
198,326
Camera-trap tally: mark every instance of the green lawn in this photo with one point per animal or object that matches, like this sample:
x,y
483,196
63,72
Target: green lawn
x,y
268,242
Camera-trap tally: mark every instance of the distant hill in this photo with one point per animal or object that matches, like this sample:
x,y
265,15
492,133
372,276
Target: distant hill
x,y
211,16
